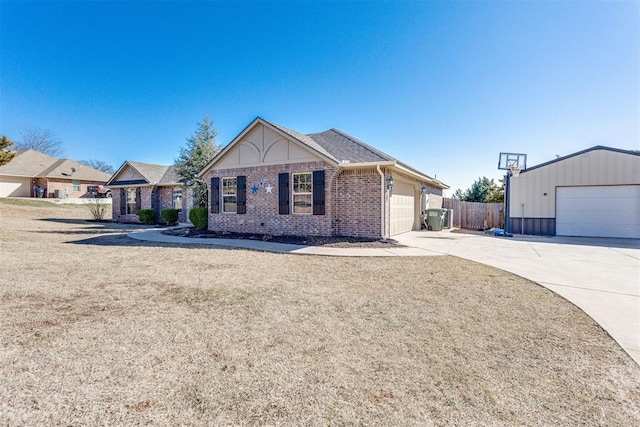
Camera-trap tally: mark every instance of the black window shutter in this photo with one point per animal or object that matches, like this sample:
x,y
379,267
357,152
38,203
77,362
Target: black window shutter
x,y
283,193
215,195
138,199
318,192
123,201
241,199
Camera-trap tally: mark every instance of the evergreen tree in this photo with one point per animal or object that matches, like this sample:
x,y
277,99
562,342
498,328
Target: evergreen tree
x,y
200,149
5,154
482,190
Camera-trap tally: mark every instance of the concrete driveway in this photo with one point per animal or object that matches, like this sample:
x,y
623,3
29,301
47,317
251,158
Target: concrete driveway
x,y
601,276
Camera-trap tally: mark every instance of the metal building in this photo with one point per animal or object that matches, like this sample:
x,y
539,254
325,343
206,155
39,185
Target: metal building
x,y
594,192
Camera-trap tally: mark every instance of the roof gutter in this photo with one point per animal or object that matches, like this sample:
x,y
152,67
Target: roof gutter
x,y
397,165
349,165
434,181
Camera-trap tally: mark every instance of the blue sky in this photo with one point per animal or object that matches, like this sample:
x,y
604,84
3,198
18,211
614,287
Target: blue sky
x,y
442,86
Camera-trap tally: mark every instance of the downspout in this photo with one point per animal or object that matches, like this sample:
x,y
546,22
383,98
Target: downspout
x,y
335,203
382,196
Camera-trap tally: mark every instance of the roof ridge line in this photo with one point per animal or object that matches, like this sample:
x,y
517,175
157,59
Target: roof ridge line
x,y
586,150
364,144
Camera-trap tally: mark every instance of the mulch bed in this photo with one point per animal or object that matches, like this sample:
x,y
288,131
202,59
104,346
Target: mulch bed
x,y
334,242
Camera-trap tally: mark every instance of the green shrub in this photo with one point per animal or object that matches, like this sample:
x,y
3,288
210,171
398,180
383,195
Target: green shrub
x,y
170,216
147,216
199,217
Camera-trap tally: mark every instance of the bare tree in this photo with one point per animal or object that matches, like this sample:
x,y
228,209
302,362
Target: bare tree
x,y
99,165
42,140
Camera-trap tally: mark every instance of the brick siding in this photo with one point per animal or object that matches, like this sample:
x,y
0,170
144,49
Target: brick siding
x,y
352,203
358,203
62,185
262,208
156,198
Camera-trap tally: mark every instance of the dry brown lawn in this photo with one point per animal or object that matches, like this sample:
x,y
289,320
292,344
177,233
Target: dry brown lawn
x,y
100,329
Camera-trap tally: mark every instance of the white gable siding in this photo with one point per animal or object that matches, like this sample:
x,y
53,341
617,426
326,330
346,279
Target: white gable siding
x,y
264,146
127,174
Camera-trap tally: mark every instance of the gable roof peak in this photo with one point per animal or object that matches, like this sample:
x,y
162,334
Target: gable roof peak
x,y
152,173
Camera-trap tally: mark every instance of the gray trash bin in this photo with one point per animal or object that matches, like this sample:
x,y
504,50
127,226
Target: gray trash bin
x,y
434,219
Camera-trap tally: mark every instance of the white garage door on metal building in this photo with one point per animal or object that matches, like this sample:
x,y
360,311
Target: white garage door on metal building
x,y
402,208
15,186
598,211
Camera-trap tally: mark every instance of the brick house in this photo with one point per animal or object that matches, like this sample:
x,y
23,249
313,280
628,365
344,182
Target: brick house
x,y
138,186
31,173
272,180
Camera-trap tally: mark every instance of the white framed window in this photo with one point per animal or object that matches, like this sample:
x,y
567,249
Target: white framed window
x,y
177,198
76,185
131,201
230,195
302,193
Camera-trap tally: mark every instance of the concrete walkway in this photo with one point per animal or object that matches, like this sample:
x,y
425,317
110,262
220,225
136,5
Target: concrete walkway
x,y
601,276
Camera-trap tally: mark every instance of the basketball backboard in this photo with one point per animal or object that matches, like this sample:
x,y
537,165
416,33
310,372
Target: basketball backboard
x,y
508,161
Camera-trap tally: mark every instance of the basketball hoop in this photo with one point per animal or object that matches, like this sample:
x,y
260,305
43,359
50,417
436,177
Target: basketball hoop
x,y
515,170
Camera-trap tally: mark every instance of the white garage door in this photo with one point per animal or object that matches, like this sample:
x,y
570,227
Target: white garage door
x,y
598,211
402,208
13,186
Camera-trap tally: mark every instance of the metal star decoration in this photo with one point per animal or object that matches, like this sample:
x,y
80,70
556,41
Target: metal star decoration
x,y
269,188
254,189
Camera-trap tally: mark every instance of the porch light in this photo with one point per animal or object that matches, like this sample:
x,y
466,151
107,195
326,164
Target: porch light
x,y
390,182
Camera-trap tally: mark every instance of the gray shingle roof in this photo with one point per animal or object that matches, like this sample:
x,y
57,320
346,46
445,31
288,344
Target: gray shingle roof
x,y
305,139
337,145
157,174
171,176
346,148
64,169
334,145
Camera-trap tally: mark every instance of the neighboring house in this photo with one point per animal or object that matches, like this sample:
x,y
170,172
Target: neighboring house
x,y
594,192
137,186
272,180
31,173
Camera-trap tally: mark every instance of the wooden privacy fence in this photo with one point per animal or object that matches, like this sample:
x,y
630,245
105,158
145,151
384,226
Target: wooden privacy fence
x,y
472,215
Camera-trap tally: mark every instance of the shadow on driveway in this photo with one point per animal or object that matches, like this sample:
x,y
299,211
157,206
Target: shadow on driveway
x,y
605,242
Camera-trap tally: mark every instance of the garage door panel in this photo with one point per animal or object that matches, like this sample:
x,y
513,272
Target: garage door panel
x,y
401,208
598,211
14,186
